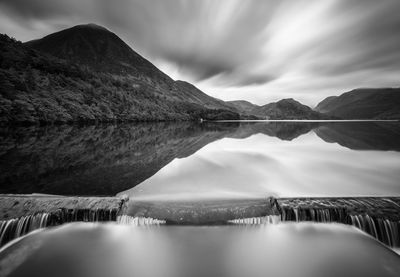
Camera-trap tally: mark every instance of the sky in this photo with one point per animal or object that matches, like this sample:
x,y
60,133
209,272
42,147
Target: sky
x,y
256,50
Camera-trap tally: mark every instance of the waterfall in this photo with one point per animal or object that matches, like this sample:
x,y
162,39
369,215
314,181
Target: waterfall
x,y
86,215
17,227
269,219
384,230
314,214
138,221
14,228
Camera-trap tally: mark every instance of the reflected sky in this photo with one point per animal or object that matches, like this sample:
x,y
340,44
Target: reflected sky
x,y
261,166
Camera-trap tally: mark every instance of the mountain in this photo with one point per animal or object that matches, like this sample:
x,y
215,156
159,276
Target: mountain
x,y
381,103
194,95
96,47
283,109
288,109
87,74
244,107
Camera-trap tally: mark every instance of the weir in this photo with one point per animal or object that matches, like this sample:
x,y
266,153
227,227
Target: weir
x,y
377,216
29,213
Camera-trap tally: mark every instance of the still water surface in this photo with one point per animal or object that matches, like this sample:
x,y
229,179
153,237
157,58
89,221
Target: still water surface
x,y
179,161
302,250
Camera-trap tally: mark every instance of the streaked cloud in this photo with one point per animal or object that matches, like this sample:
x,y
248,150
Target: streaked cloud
x,y
233,49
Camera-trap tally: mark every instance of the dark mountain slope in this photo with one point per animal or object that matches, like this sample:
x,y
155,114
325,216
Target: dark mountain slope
x,y
38,87
101,50
194,95
96,47
363,104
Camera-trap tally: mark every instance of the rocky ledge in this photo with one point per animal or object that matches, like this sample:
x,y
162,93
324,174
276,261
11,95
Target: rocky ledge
x,y
16,206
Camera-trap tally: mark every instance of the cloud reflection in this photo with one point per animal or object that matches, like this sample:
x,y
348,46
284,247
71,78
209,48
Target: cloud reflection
x,y
261,166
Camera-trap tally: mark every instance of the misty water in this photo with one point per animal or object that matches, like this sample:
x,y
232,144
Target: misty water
x,y
213,170
302,249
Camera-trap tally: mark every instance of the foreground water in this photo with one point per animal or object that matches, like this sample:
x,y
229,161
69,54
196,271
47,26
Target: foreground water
x,y
179,161
94,250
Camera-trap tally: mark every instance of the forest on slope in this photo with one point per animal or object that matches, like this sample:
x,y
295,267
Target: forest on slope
x,y
36,87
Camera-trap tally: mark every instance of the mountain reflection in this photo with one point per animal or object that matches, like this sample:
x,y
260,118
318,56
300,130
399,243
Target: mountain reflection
x,y
95,160
107,159
382,136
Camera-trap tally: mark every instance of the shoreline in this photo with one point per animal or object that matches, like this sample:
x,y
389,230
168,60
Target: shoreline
x,y
94,122
308,120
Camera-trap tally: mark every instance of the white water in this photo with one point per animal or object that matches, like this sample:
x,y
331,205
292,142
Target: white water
x,y
17,227
14,228
138,221
269,219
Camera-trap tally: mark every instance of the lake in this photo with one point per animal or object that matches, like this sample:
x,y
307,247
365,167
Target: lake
x,y
181,161
220,180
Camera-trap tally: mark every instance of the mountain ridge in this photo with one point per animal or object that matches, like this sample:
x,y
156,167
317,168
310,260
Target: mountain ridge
x,y
95,46
282,109
86,73
42,82
106,52
364,103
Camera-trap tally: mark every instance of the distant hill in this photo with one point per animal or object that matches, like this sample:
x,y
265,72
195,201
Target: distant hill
x,y
289,109
381,103
283,109
87,74
245,107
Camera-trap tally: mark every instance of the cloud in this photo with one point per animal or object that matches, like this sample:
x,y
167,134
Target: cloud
x,y
235,49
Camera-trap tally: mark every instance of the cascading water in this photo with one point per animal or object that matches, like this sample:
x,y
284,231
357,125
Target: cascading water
x,y
17,227
384,230
382,223
269,219
376,216
138,221
315,215
14,228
